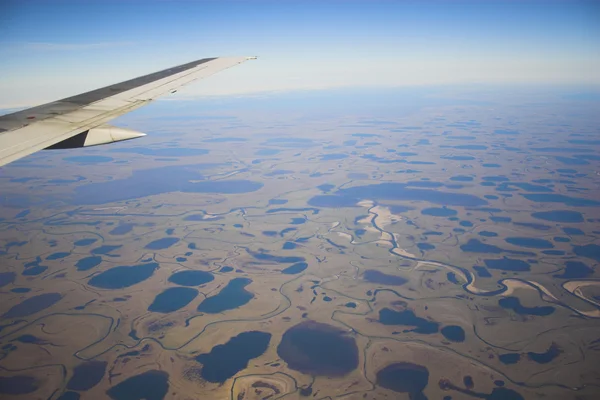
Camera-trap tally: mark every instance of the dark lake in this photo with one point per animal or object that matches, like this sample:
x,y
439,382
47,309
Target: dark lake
x,y
32,305
560,198
513,303
150,385
295,268
394,191
18,384
226,360
86,263
163,151
589,251
372,275
87,375
172,299
318,349
124,276
85,242
454,333
559,216
439,212
407,318
6,278
191,278
147,182
404,377
547,356
534,243
231,296
508,264
163,243
88,159
575,270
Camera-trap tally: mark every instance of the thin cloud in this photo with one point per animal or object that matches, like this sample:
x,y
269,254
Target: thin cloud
x,y
44,46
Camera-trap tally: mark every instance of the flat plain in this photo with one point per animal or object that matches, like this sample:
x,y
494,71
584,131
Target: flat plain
x,y
347,244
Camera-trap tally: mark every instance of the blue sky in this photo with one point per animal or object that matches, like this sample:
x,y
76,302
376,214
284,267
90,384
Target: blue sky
x,y
52,49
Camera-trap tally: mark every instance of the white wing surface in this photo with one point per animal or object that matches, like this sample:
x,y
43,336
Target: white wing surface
x,y
72,122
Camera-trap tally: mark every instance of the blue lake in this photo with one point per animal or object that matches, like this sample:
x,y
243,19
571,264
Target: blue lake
x,y
231,296
147,182
124,276
172,299
191,278
226,360
161,244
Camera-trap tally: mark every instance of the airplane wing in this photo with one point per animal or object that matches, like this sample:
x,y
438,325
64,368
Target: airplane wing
x,y
79,120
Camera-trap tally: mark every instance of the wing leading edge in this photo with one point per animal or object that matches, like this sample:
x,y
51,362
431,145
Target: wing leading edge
x,y
27,131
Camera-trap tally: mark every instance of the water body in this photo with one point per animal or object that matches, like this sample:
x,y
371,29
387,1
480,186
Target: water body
x,y
335,156
560,198
573,231
147,182
164,151
439,212
508,264
57,256
575,270
538,227
454,333
376,276
315,348
404,377
277,201
161,244
461,178
69,396
88,263
32,305
231,296
589,251
106,249
513,303
226,360
425,246
407,318
533,243
226,269
18,384
150,385
289,246
277,259
476,246
88,159
6,278
122,229
85,242
172,299
326,187
488,234
124,276
547,356
482,272
509,358
33,271
225,140
295,268
395,191
458,158
559,216
267,152
192,278
87,375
